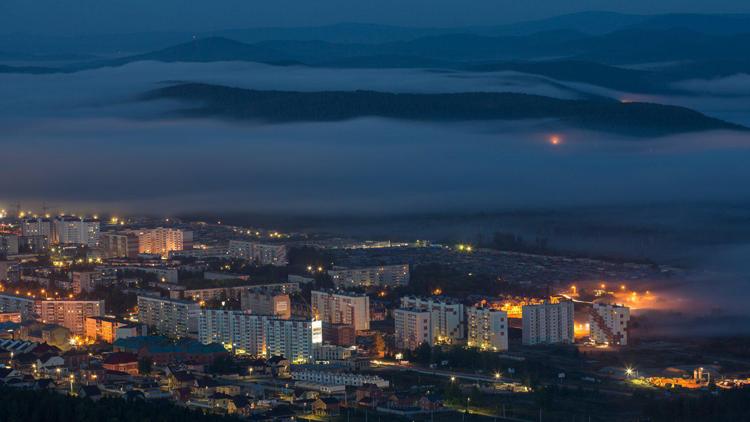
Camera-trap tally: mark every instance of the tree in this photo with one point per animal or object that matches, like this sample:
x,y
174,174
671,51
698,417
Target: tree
x,y
423,354
378,344
145,364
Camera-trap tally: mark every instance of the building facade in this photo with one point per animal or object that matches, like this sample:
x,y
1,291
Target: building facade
x,y
385,276
487,328
609,324
171,318
74,230
70,314
259,253
548,323
412,328
162,241
340,307
266,303
448,317
260,335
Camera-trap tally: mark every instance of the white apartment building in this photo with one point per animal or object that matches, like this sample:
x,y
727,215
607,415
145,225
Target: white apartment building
x,y
238,331
548,323
487,328
340,307
71,314
260,335
337,378
259,253
292,338
609,324
26,306
74,230
37,227
412,328
386,275
169,317
8,244
447,316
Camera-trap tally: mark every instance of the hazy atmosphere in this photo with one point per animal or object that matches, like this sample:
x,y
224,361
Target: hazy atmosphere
x,y
569,181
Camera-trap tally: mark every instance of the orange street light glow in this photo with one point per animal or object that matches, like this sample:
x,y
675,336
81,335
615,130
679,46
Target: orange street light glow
x,y
555,140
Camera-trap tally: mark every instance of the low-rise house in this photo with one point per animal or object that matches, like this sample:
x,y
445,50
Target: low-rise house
x,y
240,405
402,401
369,395
326,406
164,351
431,402
121,362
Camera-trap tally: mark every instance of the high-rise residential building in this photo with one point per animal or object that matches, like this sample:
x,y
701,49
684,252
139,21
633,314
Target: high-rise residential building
x,y
37,227
260,335
259,253
26,306
84,281
609,324
292,338
169,317
161,240
487,328
120,244
71,314
385,275
548,323
238,331
260,302
412,328
33,244
74,230
8,244
10,271
341,307
447,319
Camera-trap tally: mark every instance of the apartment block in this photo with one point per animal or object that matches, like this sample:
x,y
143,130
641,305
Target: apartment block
x,y
385,276
548,323
412,328
260,335
171,318
70,314
447,317
266,303
487,328
259,253
609,324
341,307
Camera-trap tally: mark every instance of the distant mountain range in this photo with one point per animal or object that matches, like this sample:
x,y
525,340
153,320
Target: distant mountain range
x,y
637,119
587,23
597,48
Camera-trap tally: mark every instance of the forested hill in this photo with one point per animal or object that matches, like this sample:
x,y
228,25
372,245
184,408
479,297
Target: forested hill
x,y
640,119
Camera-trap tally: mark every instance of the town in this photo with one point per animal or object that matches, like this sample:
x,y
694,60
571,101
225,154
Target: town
x,y
260,324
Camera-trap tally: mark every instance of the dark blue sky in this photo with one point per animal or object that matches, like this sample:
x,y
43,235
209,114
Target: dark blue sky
x,y
95,16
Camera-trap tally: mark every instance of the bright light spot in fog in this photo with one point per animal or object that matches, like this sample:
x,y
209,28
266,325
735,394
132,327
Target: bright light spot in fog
x,y
555,140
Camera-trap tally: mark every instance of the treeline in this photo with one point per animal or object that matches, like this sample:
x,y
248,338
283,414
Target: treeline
x,y
47,406
725,406
641,119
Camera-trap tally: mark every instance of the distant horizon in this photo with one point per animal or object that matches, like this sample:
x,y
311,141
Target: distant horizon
x,y
51,18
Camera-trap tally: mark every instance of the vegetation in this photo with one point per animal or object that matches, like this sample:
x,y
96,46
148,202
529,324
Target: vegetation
x,y
641,119
46,406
